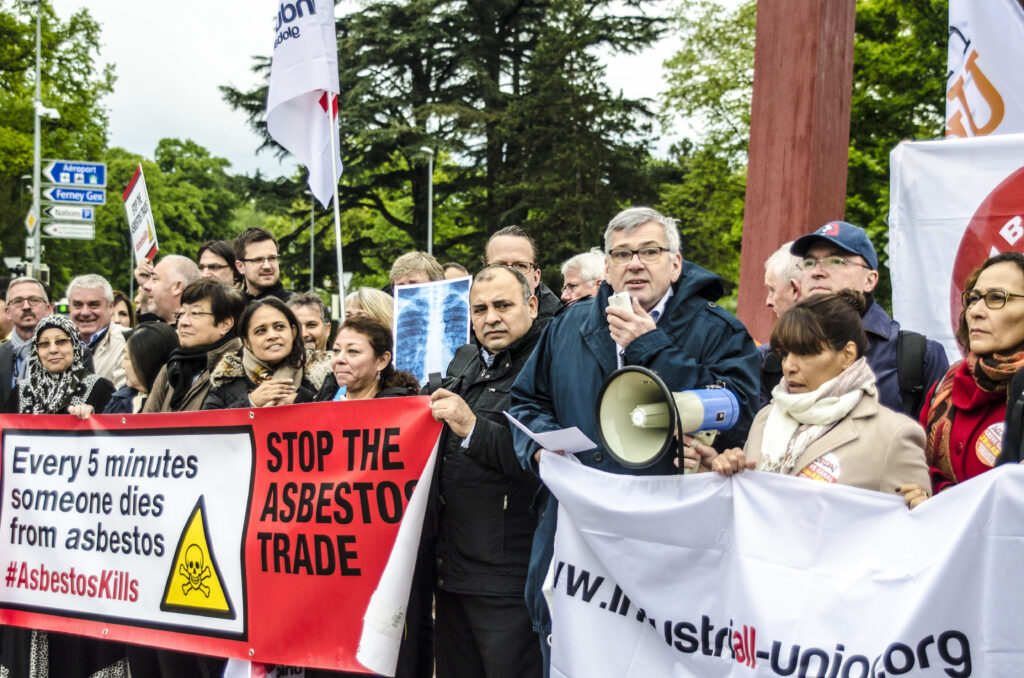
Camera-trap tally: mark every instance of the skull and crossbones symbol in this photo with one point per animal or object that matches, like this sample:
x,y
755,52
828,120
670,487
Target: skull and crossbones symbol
x,y
195,571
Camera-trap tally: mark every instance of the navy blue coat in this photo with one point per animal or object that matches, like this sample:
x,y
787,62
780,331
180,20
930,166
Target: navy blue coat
x,y
697,343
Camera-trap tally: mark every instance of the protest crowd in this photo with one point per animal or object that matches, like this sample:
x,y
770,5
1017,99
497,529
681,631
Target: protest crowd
x,y
839,382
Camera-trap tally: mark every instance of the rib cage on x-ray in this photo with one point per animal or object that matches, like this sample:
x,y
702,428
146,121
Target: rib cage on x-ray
x,y
431,322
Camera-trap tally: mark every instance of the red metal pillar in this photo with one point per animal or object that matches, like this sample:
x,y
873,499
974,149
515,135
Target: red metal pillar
x,y
799,135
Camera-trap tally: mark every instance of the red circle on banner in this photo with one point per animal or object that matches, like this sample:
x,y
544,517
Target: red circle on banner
x,y
997,226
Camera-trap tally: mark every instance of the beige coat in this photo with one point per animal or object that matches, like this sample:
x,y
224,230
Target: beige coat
x,y
873,447
160,397
108,355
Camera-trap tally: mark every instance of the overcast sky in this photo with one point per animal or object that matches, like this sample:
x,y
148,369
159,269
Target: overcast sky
x,y
171,57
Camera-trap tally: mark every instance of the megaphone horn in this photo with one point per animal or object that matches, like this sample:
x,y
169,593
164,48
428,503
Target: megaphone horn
x,y
638,416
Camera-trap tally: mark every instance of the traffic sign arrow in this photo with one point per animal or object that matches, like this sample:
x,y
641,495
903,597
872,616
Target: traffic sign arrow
x,y
88,196
60,212
74,231
76,173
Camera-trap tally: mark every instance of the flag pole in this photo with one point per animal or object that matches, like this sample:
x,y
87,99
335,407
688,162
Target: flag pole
x,y
337,211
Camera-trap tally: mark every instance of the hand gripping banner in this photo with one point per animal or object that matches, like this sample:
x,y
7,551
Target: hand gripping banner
x,y
257,534
768,575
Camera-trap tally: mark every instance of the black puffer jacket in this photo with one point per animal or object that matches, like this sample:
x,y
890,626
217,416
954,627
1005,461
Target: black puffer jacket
x,y
484,495
230,387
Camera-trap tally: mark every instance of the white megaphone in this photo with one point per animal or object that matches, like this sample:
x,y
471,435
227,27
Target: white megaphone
x,y
638,416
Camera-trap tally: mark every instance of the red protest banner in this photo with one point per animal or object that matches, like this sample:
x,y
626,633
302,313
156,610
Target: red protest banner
x,y
258,534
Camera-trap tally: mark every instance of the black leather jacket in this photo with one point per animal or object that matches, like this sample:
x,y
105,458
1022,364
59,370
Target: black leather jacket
x,y
484,495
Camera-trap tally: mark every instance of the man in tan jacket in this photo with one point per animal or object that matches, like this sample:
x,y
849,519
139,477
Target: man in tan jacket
x,y
206,332
91,306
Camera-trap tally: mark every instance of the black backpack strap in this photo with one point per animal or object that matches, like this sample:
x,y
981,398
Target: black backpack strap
x,y
910,353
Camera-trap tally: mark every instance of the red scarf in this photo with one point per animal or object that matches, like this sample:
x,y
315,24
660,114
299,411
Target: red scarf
x,y
992,374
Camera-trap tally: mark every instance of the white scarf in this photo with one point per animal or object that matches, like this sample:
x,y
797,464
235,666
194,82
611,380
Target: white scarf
x,y
798,419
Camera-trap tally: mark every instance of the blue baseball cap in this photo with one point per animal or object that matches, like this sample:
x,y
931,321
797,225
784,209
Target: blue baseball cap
x,y
847,237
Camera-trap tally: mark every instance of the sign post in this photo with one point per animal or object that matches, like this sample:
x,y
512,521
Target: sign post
x,y
141,229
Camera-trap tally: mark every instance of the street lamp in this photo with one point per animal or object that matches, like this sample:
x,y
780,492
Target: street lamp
x,y
37,104
430,198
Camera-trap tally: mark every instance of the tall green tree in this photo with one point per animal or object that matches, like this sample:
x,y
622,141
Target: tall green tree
x,y
456,76
898,79
74,82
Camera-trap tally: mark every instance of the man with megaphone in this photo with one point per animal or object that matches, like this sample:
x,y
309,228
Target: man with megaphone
x,y
669,324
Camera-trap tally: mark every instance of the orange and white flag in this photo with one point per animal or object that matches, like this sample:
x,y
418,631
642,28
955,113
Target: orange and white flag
x,y
984,78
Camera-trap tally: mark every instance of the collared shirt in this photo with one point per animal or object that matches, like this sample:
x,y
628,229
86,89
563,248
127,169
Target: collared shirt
x,y
95,339
655,313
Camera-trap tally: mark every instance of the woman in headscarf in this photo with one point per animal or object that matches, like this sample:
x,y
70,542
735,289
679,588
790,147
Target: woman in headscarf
x,y
57,380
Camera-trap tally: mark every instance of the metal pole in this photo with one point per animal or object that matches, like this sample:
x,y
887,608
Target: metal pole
x,y
430,198
337,211
312,235
36,104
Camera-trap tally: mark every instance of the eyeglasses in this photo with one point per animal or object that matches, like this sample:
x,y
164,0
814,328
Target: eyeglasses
x,y
830,263
33,301
569,287
993,298
646,254
217,267
523,267
191,315
272,259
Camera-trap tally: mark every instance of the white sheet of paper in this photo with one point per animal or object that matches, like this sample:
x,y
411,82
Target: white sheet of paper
x,y
568,439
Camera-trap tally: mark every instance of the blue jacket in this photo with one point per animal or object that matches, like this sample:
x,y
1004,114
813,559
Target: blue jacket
x,y
882,355
697,343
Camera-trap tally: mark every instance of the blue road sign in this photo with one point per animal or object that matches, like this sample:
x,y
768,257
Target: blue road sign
x,y
76,173
87,196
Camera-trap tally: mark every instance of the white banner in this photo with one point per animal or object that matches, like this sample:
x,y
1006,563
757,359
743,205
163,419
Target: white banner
x,y
769,575
984,79
301,97
141,227
953,204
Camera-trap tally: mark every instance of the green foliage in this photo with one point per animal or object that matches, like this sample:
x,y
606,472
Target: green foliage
x,y
711,78
74,83
899,77
898,81
511,99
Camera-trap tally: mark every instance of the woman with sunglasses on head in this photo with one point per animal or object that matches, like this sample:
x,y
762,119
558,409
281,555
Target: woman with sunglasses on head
x,y
964,413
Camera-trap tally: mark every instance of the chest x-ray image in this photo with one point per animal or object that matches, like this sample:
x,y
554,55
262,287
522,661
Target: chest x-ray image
x,y
431,322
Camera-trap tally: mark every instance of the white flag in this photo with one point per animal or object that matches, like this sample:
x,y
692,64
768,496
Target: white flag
x,y
302,97
952,204
985,82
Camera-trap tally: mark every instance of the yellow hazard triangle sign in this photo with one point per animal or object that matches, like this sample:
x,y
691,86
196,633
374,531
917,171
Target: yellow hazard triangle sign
x,y
194,584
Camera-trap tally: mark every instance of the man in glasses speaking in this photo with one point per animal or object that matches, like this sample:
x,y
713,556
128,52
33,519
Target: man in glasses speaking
x,y
669,323
839,255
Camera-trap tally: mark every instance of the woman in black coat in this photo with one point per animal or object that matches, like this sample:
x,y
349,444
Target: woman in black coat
x,y
271,368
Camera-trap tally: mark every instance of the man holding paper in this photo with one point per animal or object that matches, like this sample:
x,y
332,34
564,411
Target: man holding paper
x,y
486,524
673,327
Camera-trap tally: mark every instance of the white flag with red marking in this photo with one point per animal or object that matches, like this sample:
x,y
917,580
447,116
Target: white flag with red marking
x,y
302,99
985,82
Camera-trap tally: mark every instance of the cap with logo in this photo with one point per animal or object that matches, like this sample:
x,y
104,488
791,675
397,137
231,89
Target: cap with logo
x,y
847,237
